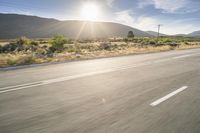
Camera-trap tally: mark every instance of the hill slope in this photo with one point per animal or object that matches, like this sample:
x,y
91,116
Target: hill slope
x,y
153,33
13,25
195,34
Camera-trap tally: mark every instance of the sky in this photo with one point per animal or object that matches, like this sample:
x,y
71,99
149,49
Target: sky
x,y
175,16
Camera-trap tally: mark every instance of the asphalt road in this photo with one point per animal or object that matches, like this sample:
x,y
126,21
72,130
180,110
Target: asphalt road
x,y
149,93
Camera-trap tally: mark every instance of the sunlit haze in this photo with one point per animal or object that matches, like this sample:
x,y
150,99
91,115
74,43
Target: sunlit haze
x,y
90,11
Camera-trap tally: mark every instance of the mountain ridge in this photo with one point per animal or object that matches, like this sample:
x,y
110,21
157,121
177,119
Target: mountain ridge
x,y
16,25
195,33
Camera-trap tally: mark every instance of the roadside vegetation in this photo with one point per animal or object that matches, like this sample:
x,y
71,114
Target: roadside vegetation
x,y
23,51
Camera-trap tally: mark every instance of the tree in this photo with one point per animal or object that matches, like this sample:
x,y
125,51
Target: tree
x,y
130,34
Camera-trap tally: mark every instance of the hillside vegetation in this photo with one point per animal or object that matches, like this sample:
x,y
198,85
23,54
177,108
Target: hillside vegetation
x,y
25,51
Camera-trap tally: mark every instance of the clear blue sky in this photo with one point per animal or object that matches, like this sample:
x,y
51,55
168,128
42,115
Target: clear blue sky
x,y
176,16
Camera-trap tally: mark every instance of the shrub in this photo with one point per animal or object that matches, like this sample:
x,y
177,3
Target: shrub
x,y
77,48
167,40
58,42
1,49
105,46
8,48
41,51
71,50
34,43
125,40
144,42
174,44
27,60
186,43
11,62
152,42
23,41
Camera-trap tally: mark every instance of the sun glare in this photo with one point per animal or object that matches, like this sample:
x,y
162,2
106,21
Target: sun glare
x,y
90,11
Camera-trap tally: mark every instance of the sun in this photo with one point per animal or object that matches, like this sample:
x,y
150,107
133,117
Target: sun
x,y
90,11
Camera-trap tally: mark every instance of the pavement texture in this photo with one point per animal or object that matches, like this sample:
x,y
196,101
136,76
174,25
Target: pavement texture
x,y
111,95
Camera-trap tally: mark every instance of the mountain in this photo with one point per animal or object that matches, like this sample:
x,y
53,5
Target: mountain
x,y
195,34
153,33
14,25
181,35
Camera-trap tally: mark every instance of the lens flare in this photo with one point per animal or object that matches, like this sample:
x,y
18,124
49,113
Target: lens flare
x,y
90,11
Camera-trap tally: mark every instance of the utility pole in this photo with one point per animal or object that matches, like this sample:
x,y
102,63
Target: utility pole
x,y
158,31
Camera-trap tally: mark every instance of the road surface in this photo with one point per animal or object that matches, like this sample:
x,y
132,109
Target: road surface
x,y
148,93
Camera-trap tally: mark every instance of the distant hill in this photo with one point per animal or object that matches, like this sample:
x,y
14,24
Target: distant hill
x,y
153,33
195,34
13,26
181,35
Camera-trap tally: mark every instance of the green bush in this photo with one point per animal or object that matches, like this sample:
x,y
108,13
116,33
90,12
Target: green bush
x,y
152,42
167,40
11,62
186,43
23,41
145,42
58,42
34,43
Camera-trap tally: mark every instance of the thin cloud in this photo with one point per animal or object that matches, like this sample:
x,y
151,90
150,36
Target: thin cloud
x,y
124,17
141,22
172,6
110,2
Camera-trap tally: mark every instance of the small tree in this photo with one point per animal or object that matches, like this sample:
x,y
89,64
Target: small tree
x,y
130,34
58,42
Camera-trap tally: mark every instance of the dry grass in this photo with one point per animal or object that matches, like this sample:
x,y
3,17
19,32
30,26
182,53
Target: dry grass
x,y
87,51
19,59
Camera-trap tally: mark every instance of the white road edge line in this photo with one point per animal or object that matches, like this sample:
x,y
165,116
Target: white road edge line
x,y
21,85
157,102
61,79
184,56
19,88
